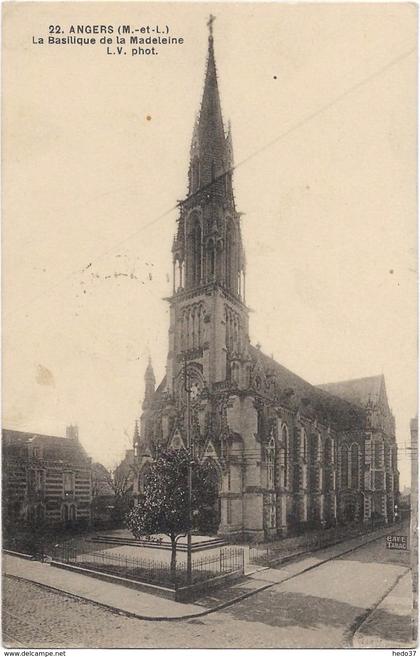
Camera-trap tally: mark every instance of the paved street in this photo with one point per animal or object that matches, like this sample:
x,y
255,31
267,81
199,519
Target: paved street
x,y
320,608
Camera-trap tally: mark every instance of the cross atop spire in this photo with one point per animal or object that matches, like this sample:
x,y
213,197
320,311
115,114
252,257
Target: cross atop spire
x,y
210,25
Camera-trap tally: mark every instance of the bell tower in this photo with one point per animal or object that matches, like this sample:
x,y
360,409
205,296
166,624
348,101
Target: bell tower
x,y
209,318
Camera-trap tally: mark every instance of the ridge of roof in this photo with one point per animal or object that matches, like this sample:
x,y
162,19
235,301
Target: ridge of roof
x,y
28,436
33,434
376,377
357,391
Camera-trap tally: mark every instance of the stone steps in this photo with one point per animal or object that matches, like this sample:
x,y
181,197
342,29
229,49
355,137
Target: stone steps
x,y
163,545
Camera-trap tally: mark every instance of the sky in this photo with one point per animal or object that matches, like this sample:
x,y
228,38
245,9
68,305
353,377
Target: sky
x,y
322,103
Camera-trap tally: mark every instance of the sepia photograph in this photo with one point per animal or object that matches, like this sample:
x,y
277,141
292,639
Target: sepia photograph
x,y
209,327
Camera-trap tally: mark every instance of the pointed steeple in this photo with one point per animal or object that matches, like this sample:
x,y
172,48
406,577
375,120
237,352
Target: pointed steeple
x,y
150,382
208,246
210,151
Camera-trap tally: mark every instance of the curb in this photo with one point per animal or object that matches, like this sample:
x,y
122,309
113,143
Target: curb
x,y
22,555
361,620
219,607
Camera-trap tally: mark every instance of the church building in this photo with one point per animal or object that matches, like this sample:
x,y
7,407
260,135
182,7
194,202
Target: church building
x,y
286,455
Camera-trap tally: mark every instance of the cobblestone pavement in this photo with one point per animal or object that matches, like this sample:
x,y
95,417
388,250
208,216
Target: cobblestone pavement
x,y
314,610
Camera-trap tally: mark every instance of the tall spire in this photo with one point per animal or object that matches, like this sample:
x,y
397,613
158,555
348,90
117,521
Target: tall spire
x,y
209,148
208,247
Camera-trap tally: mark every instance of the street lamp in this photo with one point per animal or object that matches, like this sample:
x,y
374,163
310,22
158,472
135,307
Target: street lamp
x,y
187,388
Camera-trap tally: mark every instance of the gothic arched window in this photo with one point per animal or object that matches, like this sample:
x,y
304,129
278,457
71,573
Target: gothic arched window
x,y
355,465
303,444
387,455
313,448
200,317
190,329
329,450
344,467
285,440
196,252
314,442
379,454
184,332
211,260
230,264
270,455
196,327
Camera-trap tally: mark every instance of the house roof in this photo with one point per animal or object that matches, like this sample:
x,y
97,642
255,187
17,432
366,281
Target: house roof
x,y
72,446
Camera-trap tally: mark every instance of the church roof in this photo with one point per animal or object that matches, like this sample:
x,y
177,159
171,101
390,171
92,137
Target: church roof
x,y
356,391
310,400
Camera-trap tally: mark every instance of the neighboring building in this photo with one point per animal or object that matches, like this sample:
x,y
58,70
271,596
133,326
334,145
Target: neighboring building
x,y
285,453
103,496
46,479
113,491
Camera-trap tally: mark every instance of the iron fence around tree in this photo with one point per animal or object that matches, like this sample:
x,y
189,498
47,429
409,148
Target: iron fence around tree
x,y
228,560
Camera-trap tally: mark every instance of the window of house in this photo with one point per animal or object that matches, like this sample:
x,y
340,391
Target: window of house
x,y
39,480
68,481
40,513
36,480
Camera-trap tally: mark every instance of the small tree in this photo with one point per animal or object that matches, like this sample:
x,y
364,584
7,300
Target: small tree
x,y
163,507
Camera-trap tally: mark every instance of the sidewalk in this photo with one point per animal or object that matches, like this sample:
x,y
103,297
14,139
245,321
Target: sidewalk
x,y
150,607
390,625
